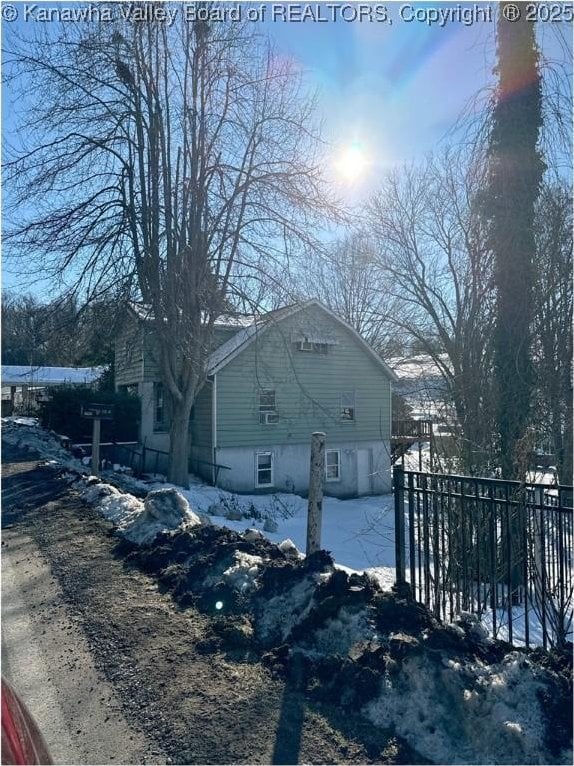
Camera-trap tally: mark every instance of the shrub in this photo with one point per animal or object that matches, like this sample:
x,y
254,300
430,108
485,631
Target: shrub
x,y
62,413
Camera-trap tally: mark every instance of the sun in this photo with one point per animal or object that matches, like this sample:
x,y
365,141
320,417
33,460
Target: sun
x,y
352,163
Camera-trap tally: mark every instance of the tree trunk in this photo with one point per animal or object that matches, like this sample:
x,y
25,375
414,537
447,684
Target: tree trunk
x,y
564,459
179,444
515,177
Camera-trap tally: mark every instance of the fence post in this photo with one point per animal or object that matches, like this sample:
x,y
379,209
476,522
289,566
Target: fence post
x,y
316,474
96,447
399,488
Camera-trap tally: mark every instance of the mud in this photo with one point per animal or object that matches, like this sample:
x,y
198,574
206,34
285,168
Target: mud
x,y
310,595
193,680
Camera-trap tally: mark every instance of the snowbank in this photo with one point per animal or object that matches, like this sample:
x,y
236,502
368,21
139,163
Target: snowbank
x,y
464,711
25,433
450,692
136,521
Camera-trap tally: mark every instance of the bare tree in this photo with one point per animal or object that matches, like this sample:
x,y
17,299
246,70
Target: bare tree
x,y
430,243
553,324
345,277
171,161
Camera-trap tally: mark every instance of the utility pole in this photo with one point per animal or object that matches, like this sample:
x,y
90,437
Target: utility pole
x,y
316,475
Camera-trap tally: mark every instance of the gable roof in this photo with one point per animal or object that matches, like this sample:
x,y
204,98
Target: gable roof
x,y
242,339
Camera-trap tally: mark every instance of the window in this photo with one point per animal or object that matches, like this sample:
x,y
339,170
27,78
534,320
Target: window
x,y
267,410
348,405
332,465
313,346
305,345
129,349
159,413
264,469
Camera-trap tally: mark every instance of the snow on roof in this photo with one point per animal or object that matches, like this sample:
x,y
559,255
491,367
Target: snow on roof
x,y
417,367
145,313
22,375
240,320
221,353
141,310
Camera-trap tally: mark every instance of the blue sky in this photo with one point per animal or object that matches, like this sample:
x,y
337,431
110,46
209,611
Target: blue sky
x,y
393,89
397,88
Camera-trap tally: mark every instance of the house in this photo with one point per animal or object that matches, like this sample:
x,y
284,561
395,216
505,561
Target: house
x,y
422,385
272,381
23,386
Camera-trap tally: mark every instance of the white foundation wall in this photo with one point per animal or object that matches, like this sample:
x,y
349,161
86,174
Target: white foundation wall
x,y
365,468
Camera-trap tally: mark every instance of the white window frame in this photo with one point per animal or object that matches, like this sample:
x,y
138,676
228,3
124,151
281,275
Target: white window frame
x,y
268,412
312,346
159,403
338,476
257,469
343,407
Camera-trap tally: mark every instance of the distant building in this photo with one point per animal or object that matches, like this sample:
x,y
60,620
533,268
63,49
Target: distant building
x,y
23,386
272,381
422,385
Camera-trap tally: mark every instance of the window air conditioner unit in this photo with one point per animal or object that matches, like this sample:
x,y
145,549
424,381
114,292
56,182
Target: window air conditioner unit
x,y
269,417
305,345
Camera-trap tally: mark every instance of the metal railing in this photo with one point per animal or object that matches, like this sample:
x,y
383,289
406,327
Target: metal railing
x,y
499,549
411,429
142,459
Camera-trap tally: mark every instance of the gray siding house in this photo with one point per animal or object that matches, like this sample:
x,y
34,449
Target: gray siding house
x,y
271,382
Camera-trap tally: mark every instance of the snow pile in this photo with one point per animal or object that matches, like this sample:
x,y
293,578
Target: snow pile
x,y
288,546
243,574
141,522
115,506
339,634
282,612
449,692
465,711
163,510
20,421
25,433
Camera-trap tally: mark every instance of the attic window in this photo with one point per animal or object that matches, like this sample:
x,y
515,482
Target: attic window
x,y
312,346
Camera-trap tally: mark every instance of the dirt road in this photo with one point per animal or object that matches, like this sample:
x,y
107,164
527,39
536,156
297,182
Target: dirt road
x,y
116,673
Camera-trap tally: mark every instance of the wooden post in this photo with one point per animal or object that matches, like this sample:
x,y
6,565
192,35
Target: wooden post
x,y
316,475
399,489
96,447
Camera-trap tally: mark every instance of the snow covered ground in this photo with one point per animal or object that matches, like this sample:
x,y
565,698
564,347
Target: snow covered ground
x,y
450,708
359,532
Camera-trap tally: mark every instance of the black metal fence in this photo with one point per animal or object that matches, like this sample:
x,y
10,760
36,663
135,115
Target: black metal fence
x,y
499,549
142,459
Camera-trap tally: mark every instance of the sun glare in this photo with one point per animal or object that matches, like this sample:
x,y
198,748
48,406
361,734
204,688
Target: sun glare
x,y
352,163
